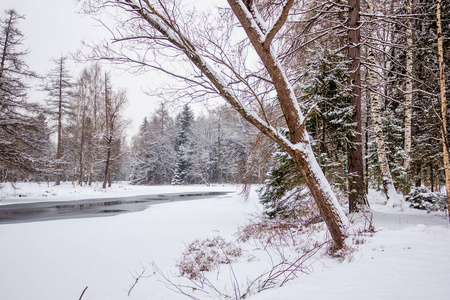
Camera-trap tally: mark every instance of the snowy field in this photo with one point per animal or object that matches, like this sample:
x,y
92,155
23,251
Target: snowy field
x,y
407,257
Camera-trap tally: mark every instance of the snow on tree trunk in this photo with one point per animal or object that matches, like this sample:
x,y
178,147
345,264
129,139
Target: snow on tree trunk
x,y
408,86
301,151
443,104
357,196
393,198
260,36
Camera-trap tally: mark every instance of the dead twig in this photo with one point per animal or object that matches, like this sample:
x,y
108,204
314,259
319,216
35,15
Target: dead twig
x,y
137,277
83,293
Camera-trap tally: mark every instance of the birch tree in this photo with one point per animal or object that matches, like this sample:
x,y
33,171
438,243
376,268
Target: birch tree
x,y
158,26
96,114
408,84
393,198
443,103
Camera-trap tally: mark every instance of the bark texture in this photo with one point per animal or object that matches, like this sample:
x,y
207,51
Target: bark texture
x,y
408,85
357,196
443,104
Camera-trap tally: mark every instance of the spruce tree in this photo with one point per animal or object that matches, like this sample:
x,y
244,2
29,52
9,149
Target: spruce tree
x,y
327,99
140,164
183,146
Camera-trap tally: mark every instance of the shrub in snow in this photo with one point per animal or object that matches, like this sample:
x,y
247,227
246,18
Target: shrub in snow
x,y
278,232
205,255
423,198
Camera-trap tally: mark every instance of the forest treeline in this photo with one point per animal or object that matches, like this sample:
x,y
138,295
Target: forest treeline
x,y
213,147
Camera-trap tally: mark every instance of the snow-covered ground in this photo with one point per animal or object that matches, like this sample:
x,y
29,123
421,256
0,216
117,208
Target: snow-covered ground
x,y
407,258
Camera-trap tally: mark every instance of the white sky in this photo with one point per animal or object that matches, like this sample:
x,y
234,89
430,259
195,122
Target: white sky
x,y
52,28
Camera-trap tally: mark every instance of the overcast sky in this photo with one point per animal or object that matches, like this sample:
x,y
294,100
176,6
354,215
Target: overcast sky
x,y
53,28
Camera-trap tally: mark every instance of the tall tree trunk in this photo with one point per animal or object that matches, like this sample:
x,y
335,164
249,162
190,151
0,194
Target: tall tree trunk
x,y
432,183
109,176
357,196
59,138
366,144
108,135
107,165
393,198
408,90
444,134
219,150
81,154
418,176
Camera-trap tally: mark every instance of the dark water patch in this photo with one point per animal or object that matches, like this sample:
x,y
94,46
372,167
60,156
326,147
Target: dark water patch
x,y
89,208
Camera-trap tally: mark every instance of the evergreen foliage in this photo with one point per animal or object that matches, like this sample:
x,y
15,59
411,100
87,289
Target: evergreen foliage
x,y
324,89
324,93
23,143
426,163
183,147
284,190
423,198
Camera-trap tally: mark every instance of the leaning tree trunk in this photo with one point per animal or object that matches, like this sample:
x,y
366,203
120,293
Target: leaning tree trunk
x,y
300,150
260,36
443,105
357,196
392,196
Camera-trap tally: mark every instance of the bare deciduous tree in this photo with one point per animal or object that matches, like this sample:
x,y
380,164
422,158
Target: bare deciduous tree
x,y
113,126
256,86
58,87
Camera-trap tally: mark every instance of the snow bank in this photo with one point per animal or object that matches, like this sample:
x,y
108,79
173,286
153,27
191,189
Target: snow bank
x,y
44,192
407,258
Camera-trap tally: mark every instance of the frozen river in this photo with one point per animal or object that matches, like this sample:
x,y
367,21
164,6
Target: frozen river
x,y
57,210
